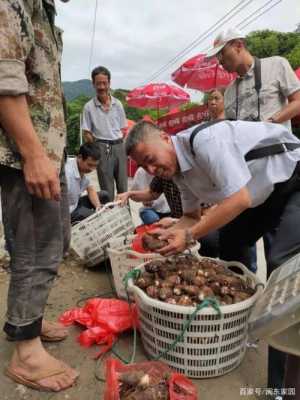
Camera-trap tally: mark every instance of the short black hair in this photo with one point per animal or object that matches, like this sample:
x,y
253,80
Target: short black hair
x,y
89,150
100,70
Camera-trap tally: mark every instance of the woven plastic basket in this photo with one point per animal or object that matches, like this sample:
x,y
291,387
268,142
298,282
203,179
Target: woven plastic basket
x,y
123,259
91,236
213,345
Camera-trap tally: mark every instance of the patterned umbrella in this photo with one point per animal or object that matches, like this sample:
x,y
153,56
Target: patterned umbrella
x,y
202,74
157,95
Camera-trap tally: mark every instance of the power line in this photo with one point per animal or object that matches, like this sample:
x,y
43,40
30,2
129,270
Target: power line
x,y
93,36
244,23
262,13
241,24
236,9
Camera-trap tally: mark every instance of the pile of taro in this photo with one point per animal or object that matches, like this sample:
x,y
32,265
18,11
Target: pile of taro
x,y
187,281
138,386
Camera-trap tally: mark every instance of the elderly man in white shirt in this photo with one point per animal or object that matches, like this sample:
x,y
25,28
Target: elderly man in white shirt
x,y
86,161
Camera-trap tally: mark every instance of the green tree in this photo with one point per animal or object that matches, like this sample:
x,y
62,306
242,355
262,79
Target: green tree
x,y
267,43
74,109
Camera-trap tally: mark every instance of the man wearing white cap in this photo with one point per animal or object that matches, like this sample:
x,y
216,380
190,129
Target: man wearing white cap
x,y
265,90
273,96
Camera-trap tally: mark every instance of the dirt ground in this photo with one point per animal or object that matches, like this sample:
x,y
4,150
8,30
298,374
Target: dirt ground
x,y
74,283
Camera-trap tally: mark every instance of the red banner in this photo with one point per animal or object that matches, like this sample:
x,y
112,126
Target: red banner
x,y
176,122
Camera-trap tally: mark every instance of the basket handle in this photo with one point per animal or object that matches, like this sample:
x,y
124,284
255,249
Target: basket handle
x,y
239,269
110,205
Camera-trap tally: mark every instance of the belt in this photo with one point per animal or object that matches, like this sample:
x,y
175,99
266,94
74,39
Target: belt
x,y
111,142
271,150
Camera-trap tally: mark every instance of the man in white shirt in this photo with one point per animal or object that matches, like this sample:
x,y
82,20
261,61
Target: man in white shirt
x,y
86,161
266,89
104,122
251,170
253,196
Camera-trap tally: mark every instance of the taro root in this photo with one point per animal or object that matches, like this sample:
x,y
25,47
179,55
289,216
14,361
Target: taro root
x,y
215,286
165,293
165,284
171,300
143,282
173,280
157,283
204,292
226,300
191,290
240,296
152,291
188,276
131,378
152,242
210,274
229,280
178,290
198,281
185,280
225,290
185,301
153,267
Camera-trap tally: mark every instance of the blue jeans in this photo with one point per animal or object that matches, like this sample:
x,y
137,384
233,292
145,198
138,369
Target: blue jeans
x,y
148,215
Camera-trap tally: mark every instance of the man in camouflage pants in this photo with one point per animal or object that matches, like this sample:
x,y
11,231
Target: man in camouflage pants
x,y
33,190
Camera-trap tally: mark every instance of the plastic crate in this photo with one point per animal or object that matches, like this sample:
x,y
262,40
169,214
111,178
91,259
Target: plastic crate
x,y
212,346
123,259
91,236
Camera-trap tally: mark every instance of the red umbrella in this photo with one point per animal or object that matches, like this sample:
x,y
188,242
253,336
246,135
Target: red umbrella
x,y
202,74
157,95
296,119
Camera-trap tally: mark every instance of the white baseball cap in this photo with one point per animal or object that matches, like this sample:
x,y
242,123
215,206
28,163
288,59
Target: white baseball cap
x,y
223,38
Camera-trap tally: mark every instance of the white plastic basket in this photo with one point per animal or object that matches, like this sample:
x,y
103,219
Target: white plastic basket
x,y
213,345
123,259
91,236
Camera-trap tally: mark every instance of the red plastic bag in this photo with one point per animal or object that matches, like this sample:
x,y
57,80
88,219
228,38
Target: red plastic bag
x,y
156,370
179,381
141,229
104,318
137,243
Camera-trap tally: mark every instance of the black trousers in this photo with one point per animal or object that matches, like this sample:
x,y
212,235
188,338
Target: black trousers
x,y
279,217
85,208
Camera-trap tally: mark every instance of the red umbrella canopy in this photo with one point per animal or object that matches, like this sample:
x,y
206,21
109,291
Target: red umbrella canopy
x,y
202,74
157,95
296,120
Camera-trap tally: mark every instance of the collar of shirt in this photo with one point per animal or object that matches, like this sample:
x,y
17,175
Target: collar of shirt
x,y
184,163
248,74
99,104
75,168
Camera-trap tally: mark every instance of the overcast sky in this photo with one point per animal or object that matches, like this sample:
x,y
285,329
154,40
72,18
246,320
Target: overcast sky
x,y
135,38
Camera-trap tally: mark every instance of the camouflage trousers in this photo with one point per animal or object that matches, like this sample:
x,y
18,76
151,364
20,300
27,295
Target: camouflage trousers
x,y
37,233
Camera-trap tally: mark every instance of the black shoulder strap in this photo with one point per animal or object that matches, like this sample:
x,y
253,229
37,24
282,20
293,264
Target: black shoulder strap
x,y
199,128
255,154
257,75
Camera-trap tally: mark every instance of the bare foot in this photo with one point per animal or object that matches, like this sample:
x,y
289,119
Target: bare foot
x,y
34,367
53,331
